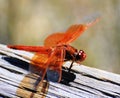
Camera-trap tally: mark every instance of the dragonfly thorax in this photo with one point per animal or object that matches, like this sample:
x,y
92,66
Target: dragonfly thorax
x,y
74,55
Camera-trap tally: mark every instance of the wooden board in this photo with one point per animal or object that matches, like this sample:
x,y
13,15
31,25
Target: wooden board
x,y
17,81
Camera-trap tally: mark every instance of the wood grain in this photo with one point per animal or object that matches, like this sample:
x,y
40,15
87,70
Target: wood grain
x,y
17,81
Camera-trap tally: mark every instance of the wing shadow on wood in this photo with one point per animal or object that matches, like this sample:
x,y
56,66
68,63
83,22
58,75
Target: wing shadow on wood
x,y
16,62
66,76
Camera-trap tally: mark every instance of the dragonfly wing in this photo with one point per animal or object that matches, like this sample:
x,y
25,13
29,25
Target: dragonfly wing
x,y
69,36
53,39
55,65
38,66
65,38
72,33
38,63
75,31
50,63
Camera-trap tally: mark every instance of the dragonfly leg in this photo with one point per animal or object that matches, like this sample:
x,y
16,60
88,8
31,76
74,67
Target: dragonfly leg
x,y
70,66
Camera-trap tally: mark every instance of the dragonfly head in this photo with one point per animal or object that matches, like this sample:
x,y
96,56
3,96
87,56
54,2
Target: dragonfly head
x,y
80,56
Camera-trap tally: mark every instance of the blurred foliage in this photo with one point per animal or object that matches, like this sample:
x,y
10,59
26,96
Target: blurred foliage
x,y
28,22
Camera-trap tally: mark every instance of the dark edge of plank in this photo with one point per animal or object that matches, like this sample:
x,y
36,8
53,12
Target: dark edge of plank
x,y
86,82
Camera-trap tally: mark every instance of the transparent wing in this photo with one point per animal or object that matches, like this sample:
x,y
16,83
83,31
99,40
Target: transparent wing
x,y
75,31
50,63
69,36
53,39
38,66
39,62
55,65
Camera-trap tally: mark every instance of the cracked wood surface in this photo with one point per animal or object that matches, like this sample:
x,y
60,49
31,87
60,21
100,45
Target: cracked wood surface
x,y
17,81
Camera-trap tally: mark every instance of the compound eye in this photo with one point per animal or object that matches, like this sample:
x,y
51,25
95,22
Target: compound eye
x,y
81,55
81,52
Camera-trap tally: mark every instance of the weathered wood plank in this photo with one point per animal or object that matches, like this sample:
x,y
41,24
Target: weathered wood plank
x,y
17,82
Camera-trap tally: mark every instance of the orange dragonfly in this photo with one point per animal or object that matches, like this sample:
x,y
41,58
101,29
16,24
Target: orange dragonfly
x,y
56,50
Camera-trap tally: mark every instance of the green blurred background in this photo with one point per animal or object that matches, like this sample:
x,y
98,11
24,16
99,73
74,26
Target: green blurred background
x,y
29,22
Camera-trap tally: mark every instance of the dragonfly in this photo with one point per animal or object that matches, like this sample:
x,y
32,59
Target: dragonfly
x,y
57,50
